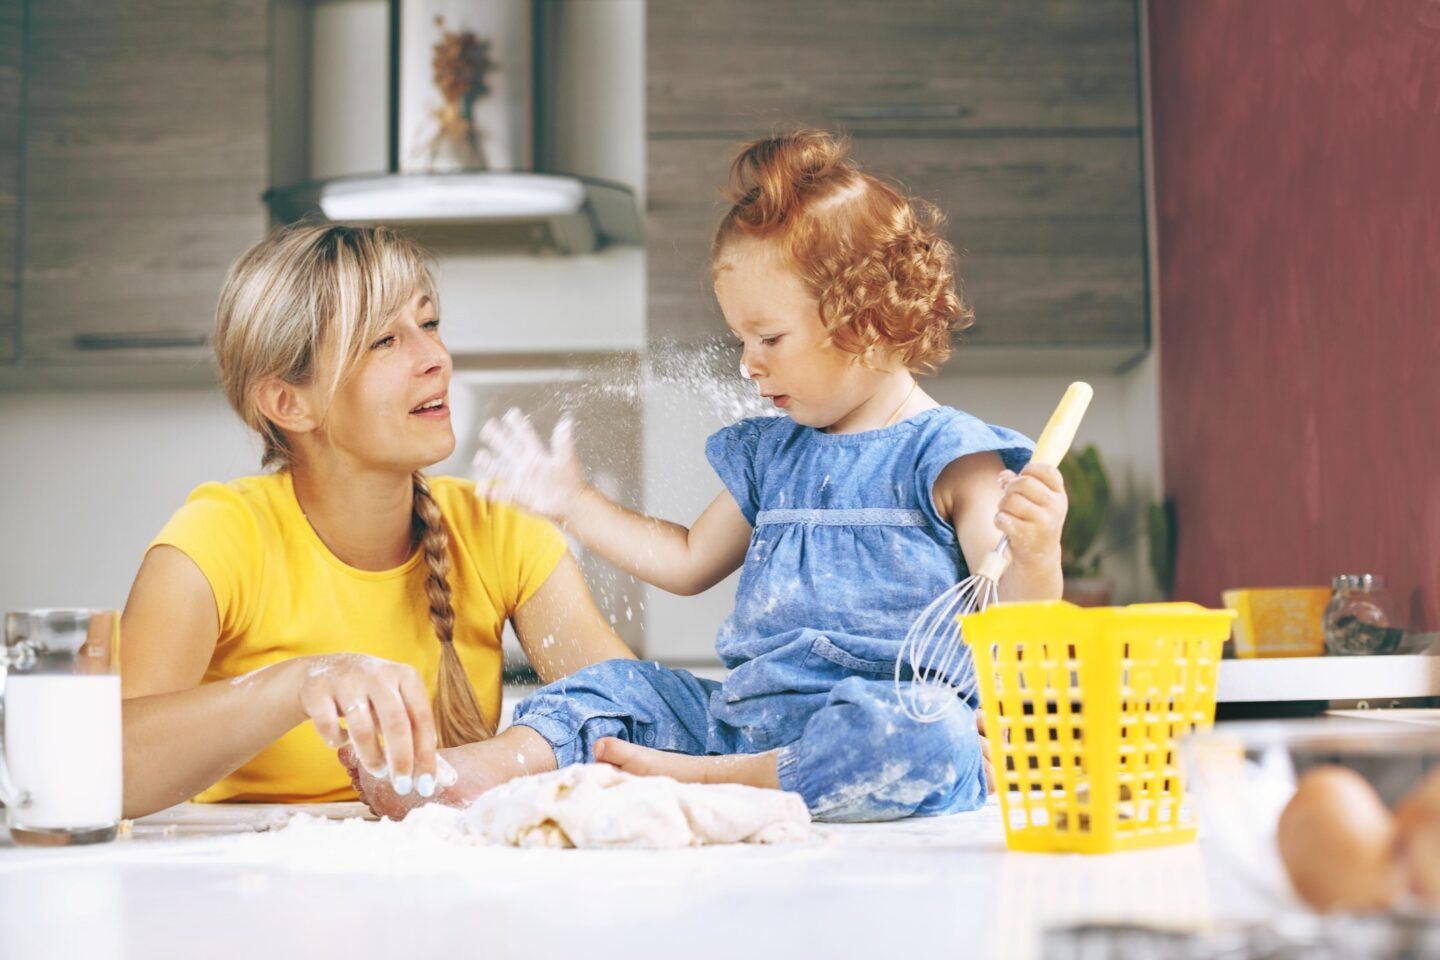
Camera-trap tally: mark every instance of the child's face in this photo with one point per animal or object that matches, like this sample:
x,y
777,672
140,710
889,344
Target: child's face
x,y
778,323
376,416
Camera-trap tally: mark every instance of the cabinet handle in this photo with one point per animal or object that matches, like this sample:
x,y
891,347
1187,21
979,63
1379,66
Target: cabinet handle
x,y
900,111
139,341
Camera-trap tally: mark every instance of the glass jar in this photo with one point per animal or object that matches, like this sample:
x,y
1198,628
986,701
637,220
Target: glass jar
x,y
1360,618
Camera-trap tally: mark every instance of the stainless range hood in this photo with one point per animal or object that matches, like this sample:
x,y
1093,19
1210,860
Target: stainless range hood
x,y
565,99
564,214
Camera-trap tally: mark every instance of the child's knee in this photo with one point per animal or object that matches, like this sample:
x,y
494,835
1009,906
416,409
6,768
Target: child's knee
x,y
597,677
928,768
881,765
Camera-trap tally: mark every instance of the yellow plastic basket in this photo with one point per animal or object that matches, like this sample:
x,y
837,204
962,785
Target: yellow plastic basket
x,y
1083,708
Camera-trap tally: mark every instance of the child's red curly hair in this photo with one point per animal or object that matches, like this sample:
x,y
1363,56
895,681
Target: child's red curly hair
x,y
875,259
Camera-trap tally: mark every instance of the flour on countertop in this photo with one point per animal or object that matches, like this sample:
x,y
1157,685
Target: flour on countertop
x,y
590,806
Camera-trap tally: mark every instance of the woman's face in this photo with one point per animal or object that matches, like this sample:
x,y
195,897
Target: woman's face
x,y
394,411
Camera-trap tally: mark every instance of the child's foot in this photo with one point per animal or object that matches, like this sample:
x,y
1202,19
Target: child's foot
x,y
750,769
462,773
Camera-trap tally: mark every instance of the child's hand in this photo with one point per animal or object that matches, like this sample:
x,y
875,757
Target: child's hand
x,y
1032,511
987,756
514,465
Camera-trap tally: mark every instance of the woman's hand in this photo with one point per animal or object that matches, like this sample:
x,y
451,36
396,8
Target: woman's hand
x,y
515,465
1032,512
386,712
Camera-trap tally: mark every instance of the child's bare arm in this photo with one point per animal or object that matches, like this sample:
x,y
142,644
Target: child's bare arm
x,y
984,500
517,466
681,560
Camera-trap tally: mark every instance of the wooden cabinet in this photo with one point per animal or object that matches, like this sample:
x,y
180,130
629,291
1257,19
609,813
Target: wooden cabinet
x,y
12,45
1021,121
728,66
145,157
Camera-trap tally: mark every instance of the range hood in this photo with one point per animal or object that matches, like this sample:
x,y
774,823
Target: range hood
x,y
555,131
566,214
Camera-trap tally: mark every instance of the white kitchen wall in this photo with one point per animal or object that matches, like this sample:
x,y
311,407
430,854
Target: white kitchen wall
x,y
91,475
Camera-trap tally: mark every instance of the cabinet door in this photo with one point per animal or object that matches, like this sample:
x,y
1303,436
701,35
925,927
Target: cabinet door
x,y
146,155
736,67
1019,120
1050,232
12,43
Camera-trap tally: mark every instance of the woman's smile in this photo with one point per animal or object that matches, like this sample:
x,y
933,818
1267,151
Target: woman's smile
x,y
435,408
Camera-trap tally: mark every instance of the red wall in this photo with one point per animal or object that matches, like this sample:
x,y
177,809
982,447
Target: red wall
x,y
1297,153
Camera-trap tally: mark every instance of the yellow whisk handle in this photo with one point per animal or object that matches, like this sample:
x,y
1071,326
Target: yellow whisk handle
x,y
1055,439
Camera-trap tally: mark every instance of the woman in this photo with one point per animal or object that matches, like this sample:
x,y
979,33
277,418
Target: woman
x,y
344,587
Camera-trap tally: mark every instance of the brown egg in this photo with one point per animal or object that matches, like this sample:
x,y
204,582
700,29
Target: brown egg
x,y
1417,825
1337,839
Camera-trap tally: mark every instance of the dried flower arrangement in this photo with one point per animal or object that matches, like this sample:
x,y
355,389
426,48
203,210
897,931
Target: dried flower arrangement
x,y
461,61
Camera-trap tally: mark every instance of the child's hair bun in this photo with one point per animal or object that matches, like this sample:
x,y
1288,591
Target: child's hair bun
x,y
875,258
774,177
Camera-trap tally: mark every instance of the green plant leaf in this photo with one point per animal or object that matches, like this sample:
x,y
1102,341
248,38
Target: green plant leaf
x,y
1088,489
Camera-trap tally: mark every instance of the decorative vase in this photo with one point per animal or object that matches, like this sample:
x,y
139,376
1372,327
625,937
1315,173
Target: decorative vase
x,y
455,144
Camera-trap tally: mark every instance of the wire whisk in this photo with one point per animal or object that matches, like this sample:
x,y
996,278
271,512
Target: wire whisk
x,y
935,668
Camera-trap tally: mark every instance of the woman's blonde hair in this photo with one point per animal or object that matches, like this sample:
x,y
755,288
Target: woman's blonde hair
x,y
306,302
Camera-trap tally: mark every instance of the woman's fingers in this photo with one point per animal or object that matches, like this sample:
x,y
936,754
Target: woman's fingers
x,y
422,730
389,730
319,705
399,746
360,725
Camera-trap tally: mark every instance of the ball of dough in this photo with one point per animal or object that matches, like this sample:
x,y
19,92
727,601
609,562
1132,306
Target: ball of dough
x,y
1337,840
1417,825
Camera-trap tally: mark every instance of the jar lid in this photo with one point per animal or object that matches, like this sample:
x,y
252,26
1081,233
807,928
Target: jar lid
x,y
1358,581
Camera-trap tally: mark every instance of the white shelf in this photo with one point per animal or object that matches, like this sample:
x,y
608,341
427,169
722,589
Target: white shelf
x,y
1329,678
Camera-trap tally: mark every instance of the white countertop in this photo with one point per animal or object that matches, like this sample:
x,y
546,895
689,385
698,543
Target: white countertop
x,y
186,884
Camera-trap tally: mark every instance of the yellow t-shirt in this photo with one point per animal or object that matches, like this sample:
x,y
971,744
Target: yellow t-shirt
x,y
280,593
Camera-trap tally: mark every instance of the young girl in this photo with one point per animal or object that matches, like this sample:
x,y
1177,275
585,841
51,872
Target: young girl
x,y
345,584
849,516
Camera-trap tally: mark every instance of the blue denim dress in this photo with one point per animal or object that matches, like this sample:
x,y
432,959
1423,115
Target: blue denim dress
x,y
847,550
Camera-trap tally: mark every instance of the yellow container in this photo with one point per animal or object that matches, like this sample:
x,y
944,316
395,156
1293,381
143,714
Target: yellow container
x,y
1084,707
1278,621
